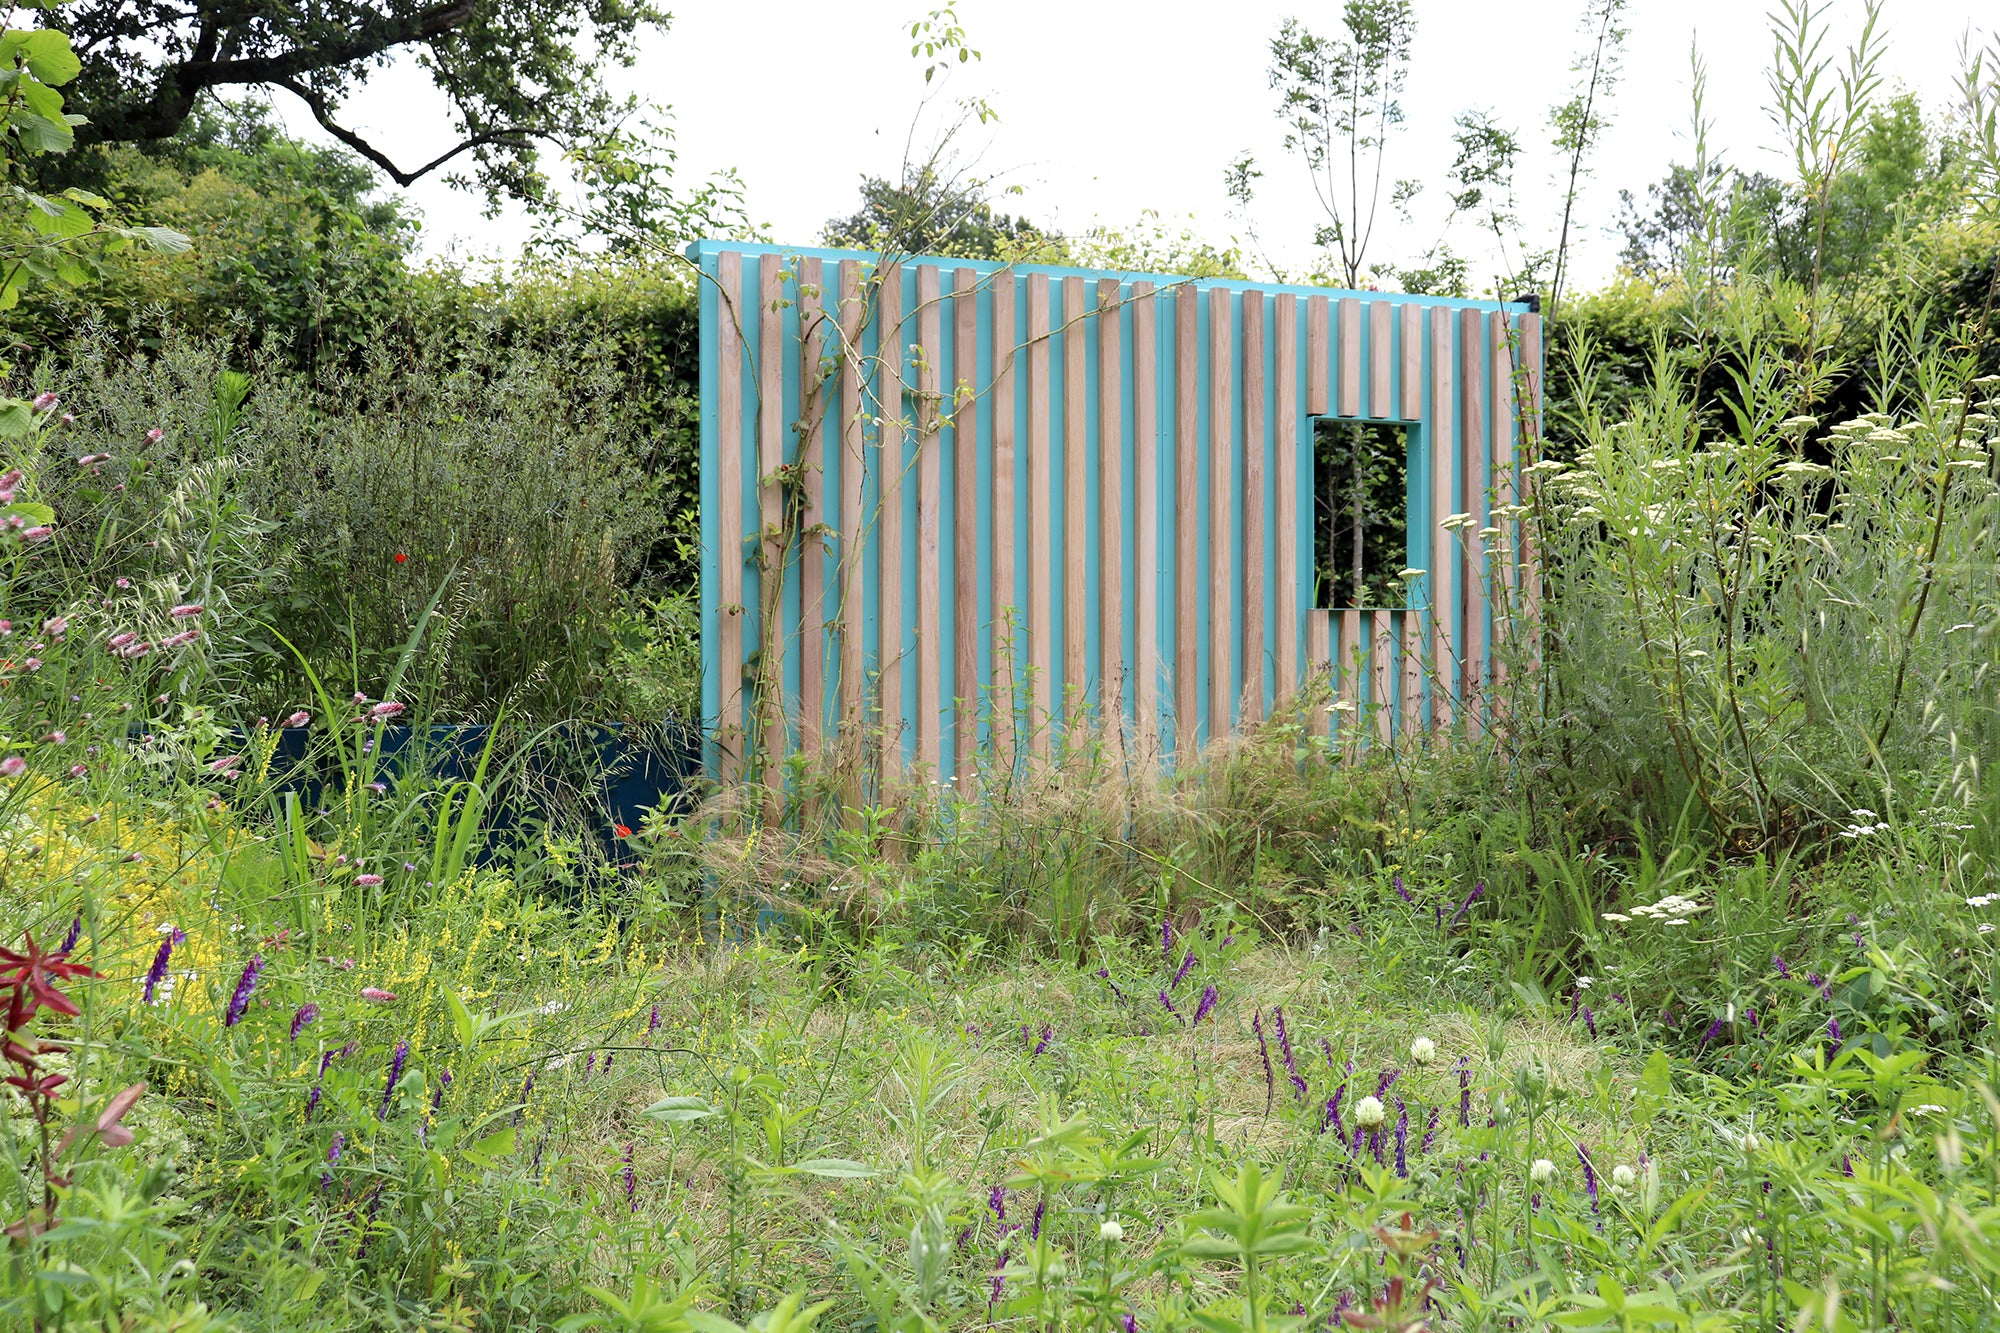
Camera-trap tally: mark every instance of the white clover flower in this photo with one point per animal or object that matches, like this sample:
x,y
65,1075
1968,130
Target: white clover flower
x,y
1623,1177
1368,1112
1423,1050
1542,1172
1750,1143
1110,1230
1585,983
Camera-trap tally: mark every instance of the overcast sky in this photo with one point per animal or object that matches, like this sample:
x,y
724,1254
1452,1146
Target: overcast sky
x,y
1111,107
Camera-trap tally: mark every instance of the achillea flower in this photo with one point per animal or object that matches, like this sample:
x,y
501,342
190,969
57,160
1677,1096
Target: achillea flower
x,y
239,1003
395,1073
1206,1003
158,972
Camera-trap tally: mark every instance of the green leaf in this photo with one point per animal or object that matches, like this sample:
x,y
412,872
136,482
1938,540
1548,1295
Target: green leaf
x,y
39,134
836,1168
675,1110
164,240
491,1148
44,51
17,418
31,514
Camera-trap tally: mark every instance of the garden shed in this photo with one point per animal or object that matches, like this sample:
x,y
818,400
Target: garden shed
x,y
954,508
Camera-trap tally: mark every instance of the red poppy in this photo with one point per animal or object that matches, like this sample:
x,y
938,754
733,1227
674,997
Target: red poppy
x,y
401,556
621,830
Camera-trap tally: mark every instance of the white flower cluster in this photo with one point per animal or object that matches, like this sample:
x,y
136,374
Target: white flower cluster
x,y
1983,900
1866,824
1672,910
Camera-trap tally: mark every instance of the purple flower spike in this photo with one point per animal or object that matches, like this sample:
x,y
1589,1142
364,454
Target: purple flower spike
x,y
1779,964
653,1023
1714,1031
1187,965
1333,1120
1402,1137
1129,1322
1589,1175
1263,1049
996,1199
1464,1092
312,1101
1388,1079
1285,1051
1207,1002
333,1149
1590,1022
1168,1005
1166,939
1116,994
307,1015
1430,1132
437,1098
158,971
1478,892
395,1073
75,933
1402,892
1035,1226
631,1180
1048,1035
240,1001
1833,1028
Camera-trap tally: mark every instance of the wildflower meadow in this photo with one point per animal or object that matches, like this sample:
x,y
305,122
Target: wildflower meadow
x,y
338,998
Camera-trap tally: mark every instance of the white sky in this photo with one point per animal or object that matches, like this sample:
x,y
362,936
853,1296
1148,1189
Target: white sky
x,y
1111,107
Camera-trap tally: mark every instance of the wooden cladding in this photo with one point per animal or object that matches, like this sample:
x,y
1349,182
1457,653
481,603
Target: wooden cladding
x,y
955,513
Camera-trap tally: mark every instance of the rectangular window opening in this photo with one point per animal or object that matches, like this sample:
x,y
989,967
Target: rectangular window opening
x,y
1361,515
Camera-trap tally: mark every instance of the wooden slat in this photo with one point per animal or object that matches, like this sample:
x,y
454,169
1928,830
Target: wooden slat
x,y
1075,516
1382,690
1319,662
1222,448
851,313
816,408
964,407
1187,424
1041,627
1317,354
1410,649
1473,451
1444,548
1411,318
1381,354
930,500
1530,408
1348,657
1110,508
890,448
1254,448
1350,357
1285,573
1500,430
1146,517
771,626
729,511
1002,714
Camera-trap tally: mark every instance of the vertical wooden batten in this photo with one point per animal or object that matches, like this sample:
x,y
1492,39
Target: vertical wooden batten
x,y
1444,546
1252,546
890,448
851,315
1110,510
929,627
729,513
1076,512
816,413
1003,712
1146,518
1187,476
1221,511
964,402
1041,522
1350,357
770,462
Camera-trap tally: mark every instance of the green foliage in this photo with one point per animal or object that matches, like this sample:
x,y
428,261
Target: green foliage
x,y
935,211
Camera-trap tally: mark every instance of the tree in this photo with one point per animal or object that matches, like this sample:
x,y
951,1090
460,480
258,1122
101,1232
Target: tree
x,y
519,75
933,212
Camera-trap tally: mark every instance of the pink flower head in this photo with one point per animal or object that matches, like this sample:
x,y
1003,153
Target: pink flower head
x,y
44,401
227,761
39,533
92,460
376,995
367,881
13,766
56,626
123,583
79,770
55,738
121,639
155,435
186,609
383,711
299,719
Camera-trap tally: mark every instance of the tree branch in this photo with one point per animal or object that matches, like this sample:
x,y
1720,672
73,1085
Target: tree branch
x,y
324,115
